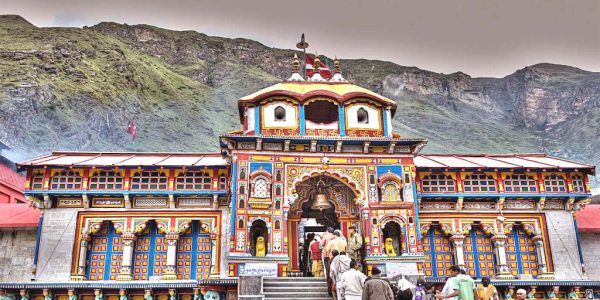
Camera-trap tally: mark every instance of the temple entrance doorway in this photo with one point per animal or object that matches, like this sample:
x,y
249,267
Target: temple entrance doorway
x,y
322,201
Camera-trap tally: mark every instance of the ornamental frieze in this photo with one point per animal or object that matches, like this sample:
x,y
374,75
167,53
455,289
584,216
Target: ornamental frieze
x,y
354,176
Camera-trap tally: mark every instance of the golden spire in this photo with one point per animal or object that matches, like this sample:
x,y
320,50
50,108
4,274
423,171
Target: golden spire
x,y
295,64
336,65
316,62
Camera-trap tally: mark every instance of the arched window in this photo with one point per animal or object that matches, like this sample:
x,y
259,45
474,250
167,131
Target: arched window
x,y
521,254
241,203
149,254
279,114
277,204
66,180
278,175
555,183
435,183
194,253
105,254
390,191
520,183
362,116
37,181
149,180
261,187
242,174
438,253
578,184
277,224
479,182
106,180
241,223
242,190
194,180
278,190
479,256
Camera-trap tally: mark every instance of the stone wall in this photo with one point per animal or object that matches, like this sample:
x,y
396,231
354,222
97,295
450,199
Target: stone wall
x,y
56,244
17,248
590,243
563,243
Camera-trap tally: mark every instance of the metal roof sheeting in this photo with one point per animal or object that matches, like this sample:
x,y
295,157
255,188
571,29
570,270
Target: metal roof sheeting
x,y
125,159
497,161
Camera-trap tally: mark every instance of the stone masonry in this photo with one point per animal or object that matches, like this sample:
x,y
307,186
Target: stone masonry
x,y
590,243
17,248
563,243
56,244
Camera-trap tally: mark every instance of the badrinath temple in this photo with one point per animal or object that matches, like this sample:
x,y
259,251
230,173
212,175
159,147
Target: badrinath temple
x,y
313,153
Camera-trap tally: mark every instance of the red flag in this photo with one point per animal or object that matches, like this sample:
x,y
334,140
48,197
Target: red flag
x,y
132,129
323,70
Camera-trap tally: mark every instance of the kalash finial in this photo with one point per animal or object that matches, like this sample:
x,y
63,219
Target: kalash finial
x,y
316,77
337,75
295,70
316,62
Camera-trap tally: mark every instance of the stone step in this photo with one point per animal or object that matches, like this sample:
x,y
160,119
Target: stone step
x,y
303,295
292,289
294,284
296,278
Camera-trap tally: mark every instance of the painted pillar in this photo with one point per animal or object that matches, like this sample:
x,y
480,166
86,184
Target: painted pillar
x,y
386,119
342,119
458,241
538,240
169,272
257,129
82,261
293,242
500,241
302,120
128,240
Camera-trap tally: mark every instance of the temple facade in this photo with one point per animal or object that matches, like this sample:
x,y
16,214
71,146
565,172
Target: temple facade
x,y
312,153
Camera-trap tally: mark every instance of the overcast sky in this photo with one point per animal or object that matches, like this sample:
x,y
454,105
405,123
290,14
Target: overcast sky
x,y
478,37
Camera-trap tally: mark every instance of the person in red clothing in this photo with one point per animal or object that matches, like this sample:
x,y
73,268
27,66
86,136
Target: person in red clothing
x,y
316,257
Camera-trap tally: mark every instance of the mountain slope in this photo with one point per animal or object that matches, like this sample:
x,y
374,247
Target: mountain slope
x,y
77,88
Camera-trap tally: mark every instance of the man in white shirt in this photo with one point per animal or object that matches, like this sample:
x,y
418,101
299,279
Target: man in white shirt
x,y
353,281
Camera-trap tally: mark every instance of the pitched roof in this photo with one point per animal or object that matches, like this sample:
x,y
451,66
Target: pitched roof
x,y
587,218
18,215
499,161
10,178
126,159
343,91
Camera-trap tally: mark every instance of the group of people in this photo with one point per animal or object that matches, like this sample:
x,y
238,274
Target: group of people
x,y
340,260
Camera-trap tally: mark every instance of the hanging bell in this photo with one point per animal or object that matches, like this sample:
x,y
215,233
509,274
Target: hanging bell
x,y
320,202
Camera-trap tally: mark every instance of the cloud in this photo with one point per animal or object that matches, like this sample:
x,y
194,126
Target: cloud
x,y
73,19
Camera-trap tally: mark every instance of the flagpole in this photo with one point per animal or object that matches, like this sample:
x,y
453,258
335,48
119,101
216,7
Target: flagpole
x,y
303,45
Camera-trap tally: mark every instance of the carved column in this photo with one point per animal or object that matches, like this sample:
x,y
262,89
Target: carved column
x,y
538,240
82,260
458,241
500,240
125,273
169,272
214,268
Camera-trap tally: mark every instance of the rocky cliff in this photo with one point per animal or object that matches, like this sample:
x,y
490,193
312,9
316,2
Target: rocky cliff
x,y
77,88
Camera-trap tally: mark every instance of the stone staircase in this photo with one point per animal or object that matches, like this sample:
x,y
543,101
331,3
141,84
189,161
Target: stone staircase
x,y
295,288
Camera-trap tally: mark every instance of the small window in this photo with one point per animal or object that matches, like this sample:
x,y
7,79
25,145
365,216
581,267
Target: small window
x,y
279,114
362,116
578,184
555,184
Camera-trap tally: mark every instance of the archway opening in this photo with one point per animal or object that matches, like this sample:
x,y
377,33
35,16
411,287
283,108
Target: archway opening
x,y
258,246
393,231
308,217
